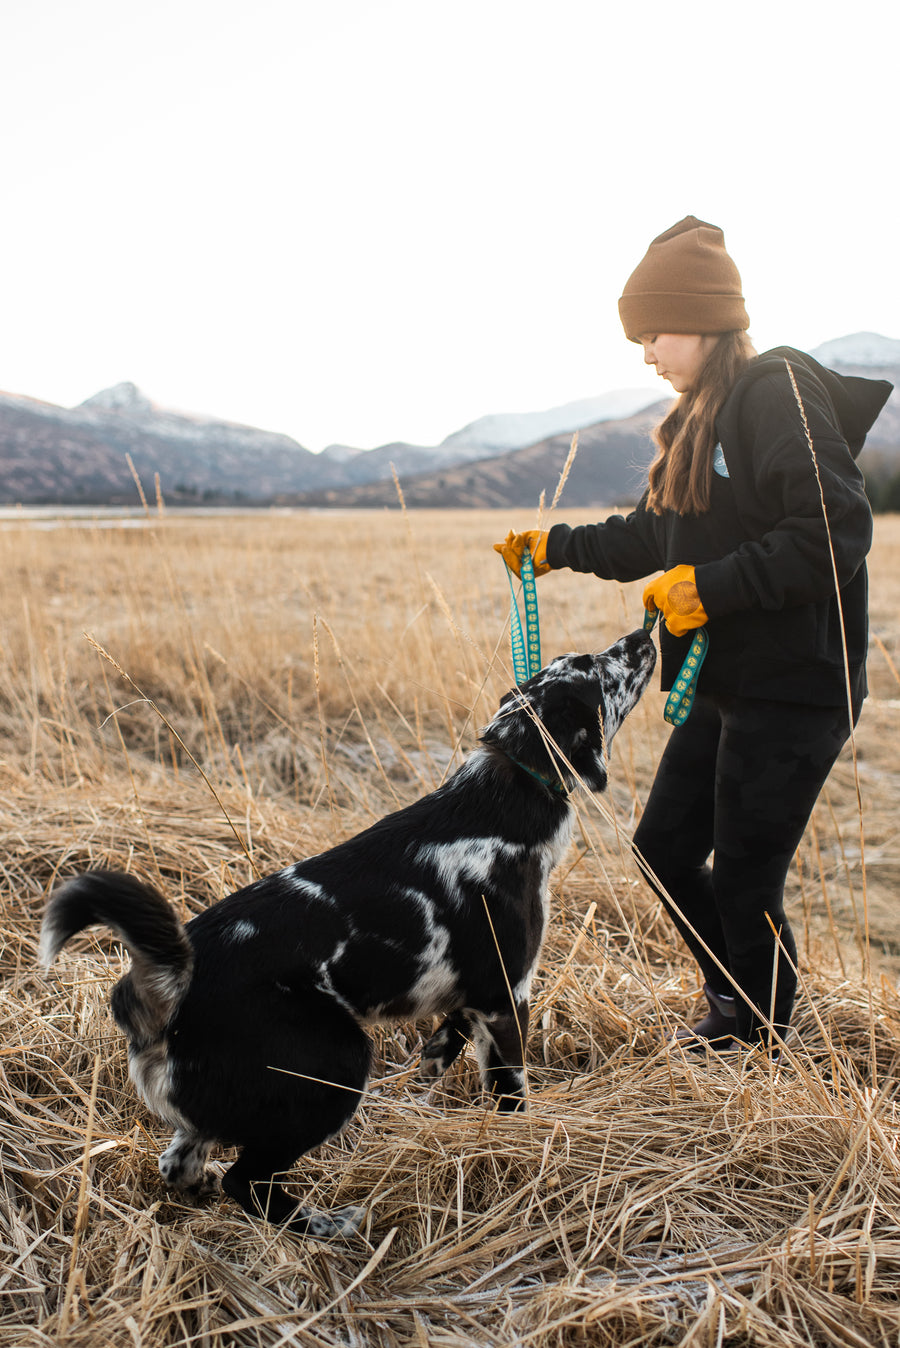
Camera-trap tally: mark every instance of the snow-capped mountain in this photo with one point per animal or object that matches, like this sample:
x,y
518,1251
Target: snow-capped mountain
x,y
874,357
56,454
502,432
125,398
129,406
50,453
491,435
860,350
486,438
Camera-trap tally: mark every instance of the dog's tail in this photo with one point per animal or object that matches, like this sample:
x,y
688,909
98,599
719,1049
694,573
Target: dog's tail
x,y
162,956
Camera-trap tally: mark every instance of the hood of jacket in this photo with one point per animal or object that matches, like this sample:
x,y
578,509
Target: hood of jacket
x,y
856,401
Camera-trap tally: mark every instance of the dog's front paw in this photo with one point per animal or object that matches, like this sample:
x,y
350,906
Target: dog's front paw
x,y
207,1186
511,1104
183,1166
430,1068
444,1047
436,1056
324,1225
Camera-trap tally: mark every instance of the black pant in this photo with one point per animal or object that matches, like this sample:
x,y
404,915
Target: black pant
x,y
739,780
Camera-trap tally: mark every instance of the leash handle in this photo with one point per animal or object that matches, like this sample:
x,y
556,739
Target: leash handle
x,y
526,647
681,698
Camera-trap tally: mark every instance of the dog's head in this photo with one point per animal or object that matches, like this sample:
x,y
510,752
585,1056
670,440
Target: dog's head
x,y
566,716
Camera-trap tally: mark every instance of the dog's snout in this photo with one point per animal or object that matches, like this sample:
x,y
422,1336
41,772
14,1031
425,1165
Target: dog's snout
x,y
642,643
637,648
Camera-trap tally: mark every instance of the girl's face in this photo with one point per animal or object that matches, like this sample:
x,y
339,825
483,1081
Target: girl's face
x,y
678,356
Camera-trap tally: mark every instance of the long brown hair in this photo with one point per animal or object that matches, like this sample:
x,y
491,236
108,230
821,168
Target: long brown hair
x,y
681,473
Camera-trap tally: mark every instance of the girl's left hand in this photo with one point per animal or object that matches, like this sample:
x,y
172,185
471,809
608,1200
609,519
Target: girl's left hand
x,y
676,595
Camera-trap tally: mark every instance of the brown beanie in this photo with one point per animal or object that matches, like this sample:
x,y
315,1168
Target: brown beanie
x,y
686,282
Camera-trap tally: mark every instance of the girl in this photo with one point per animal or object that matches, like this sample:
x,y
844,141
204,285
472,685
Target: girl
x,y
734,515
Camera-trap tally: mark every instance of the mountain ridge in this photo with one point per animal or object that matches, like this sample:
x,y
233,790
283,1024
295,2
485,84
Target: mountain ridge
x,y
90,454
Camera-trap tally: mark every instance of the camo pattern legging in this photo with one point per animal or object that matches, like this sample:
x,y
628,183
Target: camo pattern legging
x,y
738,782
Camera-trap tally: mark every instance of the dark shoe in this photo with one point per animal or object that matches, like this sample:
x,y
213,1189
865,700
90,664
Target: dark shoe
x,y
717,1029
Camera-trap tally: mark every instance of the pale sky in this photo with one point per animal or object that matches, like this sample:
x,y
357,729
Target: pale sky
x,y
359,221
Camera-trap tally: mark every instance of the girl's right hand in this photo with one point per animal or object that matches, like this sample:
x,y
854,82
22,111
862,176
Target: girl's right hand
x,y
513,548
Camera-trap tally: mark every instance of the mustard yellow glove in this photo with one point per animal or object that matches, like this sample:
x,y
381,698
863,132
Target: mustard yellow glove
x,y
677,597
514,545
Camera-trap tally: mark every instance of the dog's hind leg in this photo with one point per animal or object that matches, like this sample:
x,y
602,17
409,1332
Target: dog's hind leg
x,y
445,1045
183,1163
251,1182
500,1046
302,1085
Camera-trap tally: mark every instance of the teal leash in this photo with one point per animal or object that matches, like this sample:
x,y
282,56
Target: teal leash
x,y
526,652
681,698
526,647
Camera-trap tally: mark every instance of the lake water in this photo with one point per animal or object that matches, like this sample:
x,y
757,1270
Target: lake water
x,y
114,517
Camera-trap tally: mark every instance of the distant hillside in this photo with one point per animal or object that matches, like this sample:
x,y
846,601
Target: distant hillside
x,y
611,463
57,455
490,436
874,357
609,467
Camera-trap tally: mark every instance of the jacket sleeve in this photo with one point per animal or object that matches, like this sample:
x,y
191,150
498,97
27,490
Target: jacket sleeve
x,y
789,562
621,548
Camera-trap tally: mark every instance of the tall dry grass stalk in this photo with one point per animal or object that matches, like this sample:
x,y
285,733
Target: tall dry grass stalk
x,y
315,670
864,942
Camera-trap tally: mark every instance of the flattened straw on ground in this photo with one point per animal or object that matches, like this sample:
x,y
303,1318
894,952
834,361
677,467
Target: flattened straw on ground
x,y
647,1198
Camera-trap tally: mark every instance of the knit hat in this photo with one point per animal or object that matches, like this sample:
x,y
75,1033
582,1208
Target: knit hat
x,y
686,282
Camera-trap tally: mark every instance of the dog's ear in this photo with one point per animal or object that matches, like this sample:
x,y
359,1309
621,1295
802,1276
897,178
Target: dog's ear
x,y
587,751
575,732
570,733
513,729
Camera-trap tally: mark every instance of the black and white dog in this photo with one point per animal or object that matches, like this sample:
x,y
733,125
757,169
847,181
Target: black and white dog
x,y
245,1027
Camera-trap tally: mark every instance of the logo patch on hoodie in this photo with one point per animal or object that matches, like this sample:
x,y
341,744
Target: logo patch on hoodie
x,y
719,464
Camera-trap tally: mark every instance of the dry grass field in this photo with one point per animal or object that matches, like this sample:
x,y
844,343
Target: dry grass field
x,y
199,700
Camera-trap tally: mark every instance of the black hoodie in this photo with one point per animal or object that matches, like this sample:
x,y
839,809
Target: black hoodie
x,y
764,567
